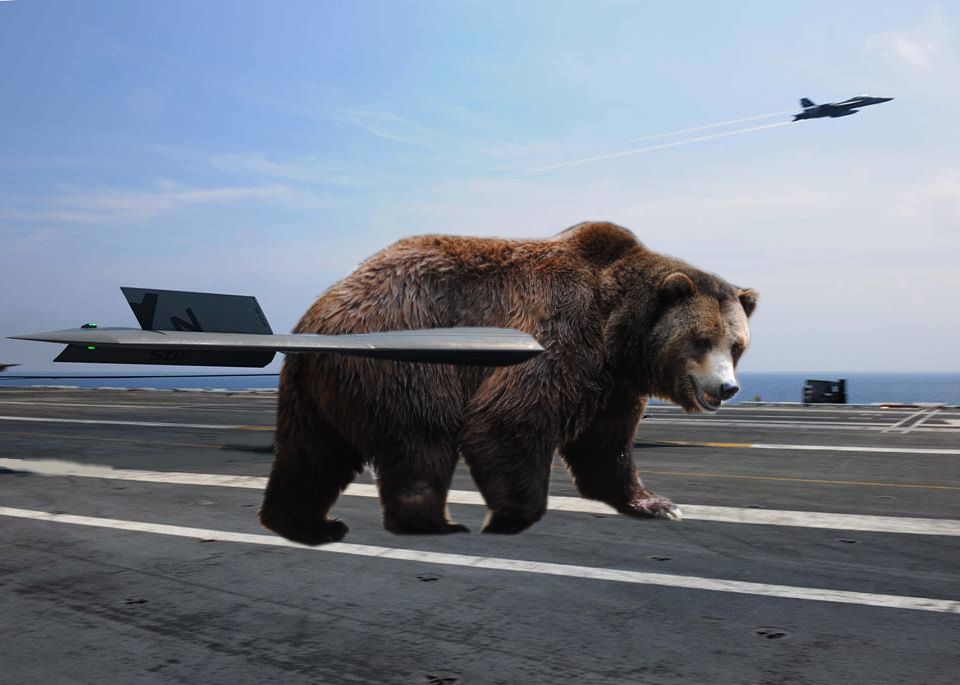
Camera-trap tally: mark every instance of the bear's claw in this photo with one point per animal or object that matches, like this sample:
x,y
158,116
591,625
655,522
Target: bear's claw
x,y
655,507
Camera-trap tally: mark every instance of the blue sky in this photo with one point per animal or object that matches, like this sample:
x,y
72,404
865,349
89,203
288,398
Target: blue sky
x,y
266,148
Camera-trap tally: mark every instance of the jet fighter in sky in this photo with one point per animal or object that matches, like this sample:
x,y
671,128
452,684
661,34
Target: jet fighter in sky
x,y
836,109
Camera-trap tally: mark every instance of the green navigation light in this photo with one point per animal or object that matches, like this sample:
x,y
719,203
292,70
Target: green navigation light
x,y
91,347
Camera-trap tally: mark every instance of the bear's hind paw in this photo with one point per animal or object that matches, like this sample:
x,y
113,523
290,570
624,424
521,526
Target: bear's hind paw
x,y
420,527
330,530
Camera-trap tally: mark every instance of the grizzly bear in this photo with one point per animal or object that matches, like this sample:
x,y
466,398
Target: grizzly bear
x,y
618,323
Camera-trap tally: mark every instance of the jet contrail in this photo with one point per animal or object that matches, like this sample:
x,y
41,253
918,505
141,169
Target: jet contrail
x,y
706,126
651,148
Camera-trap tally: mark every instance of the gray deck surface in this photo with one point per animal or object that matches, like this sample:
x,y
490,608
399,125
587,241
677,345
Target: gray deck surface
x,y
96,604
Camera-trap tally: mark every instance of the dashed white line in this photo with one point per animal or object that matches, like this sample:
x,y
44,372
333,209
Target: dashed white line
x,y
695,512
947,606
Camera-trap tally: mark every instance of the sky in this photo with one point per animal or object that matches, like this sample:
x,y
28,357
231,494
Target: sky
x,y
266,149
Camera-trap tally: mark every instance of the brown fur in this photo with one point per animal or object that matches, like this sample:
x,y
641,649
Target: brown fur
x,y
613,334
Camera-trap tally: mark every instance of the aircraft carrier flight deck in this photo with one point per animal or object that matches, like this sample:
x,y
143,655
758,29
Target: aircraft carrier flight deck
x,y
821,544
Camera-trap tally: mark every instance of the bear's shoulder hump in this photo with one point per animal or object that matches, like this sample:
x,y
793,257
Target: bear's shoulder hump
x,y
599,242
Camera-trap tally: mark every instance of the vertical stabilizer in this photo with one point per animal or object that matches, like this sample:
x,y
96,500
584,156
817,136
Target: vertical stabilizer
x,y
176,310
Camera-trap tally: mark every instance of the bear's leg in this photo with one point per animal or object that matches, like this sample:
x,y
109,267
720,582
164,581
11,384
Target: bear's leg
x,y
601,463
513,477
311,467
611,477
414,481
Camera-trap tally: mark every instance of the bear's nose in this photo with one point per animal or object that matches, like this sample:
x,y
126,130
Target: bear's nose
x,y
728,390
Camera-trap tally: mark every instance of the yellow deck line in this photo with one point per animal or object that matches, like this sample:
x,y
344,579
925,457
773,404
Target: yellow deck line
x,y
693,443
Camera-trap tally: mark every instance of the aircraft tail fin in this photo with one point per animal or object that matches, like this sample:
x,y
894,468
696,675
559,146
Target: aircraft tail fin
x,y
807,103
176,310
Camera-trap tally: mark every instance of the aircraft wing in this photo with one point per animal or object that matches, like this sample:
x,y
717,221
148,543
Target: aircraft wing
x,y
470,346
211,329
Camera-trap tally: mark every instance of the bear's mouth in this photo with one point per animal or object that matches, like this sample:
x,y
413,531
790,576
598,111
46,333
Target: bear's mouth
x,y
704,400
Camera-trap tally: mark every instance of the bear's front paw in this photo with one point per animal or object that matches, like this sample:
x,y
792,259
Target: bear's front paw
x,y
654,507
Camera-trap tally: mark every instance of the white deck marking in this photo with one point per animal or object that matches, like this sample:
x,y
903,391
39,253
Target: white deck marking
x,y
905,419
156,406
916,424
508,565
89,405
728,423
809,448
694,512
911,422
167,424
148,424
833,422
833,448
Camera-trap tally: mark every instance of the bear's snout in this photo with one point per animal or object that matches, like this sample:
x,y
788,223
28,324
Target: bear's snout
x,y
728,390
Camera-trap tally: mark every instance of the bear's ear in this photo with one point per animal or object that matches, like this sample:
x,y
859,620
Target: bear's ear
x,y
677,286
748,298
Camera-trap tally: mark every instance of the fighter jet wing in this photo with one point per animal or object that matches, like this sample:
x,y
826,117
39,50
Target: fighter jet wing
x,y
211,329
470,346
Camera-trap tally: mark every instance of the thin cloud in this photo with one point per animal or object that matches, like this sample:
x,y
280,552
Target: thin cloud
x,y
386,125
924,47
119,206
939,193
303,171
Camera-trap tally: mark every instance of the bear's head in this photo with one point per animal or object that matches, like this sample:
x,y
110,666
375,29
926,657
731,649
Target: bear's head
x,y
699,335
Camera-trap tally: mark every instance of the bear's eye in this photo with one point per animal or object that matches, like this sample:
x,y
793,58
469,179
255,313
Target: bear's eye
x,y
702,343
736,350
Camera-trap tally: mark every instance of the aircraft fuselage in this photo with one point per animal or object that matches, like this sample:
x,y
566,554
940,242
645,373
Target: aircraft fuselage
x,y
837,109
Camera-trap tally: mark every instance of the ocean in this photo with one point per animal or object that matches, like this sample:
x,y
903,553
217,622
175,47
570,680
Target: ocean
x,y
862,388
